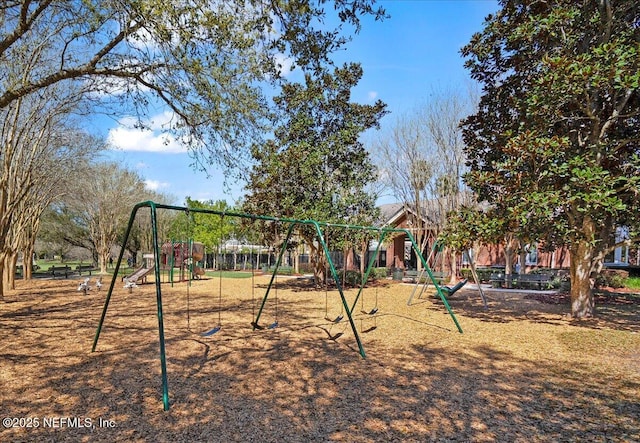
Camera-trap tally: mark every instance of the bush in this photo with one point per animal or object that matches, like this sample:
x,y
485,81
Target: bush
x,y
612,279
306,268
378,273
352,278
484,274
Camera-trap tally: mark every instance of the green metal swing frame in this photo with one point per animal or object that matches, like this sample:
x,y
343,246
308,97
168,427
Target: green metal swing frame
x,y
317,227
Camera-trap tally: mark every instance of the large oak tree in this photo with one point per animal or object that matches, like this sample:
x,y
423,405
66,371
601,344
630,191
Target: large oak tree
x,y
207,61
554,144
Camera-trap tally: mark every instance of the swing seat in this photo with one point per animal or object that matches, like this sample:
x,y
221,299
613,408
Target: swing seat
x,y
210,332
338,319
371,312
452,290
273,325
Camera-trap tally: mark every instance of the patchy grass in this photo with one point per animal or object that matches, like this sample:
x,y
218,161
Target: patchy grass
x,y
228,274
633,283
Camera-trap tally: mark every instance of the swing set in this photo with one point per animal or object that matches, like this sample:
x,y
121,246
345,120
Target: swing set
x,y
318,227
436,251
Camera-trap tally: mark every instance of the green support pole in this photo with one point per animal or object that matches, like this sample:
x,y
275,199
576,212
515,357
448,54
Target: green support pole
x,y
163,355
283,248
115,276
334,273
433,279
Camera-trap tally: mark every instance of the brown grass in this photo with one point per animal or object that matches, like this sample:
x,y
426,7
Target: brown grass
x,y
521,371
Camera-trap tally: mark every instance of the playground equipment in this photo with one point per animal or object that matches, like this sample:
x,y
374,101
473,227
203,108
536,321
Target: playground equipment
x,y
139,274
436,251
182,254
85,286
129,284
315,226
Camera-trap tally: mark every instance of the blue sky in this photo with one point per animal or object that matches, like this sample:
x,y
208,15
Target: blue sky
x,y
403,57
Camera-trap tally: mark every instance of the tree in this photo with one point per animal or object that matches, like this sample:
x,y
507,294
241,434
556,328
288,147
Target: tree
x,y
212,231
141,235
316,167
39,149
206,61
103,205
554,144
422,161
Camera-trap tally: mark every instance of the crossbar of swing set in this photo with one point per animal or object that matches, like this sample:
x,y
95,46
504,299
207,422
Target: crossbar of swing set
x,y
153,207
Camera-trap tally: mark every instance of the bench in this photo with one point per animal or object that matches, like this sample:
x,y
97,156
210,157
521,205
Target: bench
x,y
85,268
521,281
411,276
282,270
59,271
497,280
532,281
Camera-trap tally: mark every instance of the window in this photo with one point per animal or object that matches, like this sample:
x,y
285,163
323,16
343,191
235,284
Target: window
x,y
531,257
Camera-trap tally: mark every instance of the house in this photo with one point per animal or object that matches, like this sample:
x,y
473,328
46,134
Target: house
x,y
398,253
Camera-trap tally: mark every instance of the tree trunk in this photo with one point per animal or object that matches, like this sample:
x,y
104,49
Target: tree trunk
x,y
582,303
364,263
3,260
509,259
27,262
103,260
12,266
449,257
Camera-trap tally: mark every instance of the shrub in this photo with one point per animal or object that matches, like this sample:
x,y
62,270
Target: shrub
x,y
378,273
612,279
352,278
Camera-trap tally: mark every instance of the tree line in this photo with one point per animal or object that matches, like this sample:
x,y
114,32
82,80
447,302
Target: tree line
x,y
549,153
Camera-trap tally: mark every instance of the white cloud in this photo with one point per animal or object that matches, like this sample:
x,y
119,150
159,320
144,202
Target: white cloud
x,y
284,63
126,137
155,185
372,95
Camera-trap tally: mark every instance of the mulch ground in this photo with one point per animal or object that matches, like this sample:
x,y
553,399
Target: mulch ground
x,y
521,371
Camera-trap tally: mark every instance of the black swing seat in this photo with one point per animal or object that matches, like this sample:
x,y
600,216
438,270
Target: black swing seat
x,y
255,325
210,332
452,290
338,319
371,312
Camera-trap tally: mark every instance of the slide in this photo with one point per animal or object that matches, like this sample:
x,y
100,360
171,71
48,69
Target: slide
x,y
139,273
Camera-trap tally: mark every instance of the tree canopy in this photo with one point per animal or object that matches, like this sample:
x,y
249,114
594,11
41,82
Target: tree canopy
x,y
208,62
316,167
554,145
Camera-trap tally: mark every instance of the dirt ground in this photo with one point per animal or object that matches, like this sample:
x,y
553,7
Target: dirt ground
x,y
521,371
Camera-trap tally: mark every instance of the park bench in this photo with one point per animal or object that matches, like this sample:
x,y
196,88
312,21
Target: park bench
x,y
282,270
532,281
521,281
60,271
411,276
85,268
